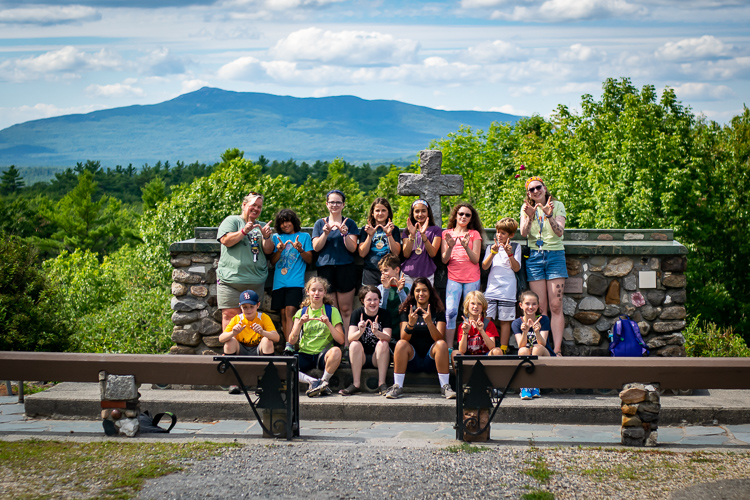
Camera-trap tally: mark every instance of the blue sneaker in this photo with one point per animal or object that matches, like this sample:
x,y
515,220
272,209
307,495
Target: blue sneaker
x,y
535,393
525,393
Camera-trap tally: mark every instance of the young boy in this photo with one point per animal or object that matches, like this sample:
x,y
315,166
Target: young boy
x,y
250,333
393,291
503,261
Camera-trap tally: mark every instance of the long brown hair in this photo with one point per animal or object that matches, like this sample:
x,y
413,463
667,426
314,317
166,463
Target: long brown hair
x,y
475,223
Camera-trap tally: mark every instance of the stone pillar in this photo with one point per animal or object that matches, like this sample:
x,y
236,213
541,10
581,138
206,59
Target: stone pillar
x,y
120,405
640,414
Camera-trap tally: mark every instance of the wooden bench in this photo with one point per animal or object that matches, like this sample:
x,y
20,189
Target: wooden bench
x,y
176,369
474,383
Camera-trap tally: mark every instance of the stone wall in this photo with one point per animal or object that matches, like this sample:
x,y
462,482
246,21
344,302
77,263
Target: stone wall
x,y
635,272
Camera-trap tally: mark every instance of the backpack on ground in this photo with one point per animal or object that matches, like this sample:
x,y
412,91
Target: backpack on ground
x,y
148,424
625,339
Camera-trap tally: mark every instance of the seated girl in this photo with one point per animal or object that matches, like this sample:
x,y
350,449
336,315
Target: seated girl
x,y
477,334
531,332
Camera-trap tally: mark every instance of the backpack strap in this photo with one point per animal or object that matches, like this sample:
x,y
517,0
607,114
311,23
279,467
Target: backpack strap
x,y
486,323
158,416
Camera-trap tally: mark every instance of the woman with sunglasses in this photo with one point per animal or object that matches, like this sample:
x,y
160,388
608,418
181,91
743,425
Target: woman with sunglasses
x,y
461,251
543,224
335,239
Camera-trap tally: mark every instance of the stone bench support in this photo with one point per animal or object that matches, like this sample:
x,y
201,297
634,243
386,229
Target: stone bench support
x,y
640,414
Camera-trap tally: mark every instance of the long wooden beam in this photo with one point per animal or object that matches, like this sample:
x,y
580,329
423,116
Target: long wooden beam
x,y
147,368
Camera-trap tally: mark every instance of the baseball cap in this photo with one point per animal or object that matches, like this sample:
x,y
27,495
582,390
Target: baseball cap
x,y
249,297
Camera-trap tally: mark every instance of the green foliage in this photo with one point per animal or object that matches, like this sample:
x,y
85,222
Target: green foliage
x,y
30,316
153,192
11,180
706,339
465,447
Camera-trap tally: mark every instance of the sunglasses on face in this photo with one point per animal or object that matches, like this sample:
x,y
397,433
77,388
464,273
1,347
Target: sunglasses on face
x,y
535,188
464,214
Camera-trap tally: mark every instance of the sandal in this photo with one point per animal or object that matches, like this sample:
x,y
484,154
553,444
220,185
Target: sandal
x,y
352,389
558,354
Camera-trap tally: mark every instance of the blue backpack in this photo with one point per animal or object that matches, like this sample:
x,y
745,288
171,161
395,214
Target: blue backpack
x,y
625,339
522,283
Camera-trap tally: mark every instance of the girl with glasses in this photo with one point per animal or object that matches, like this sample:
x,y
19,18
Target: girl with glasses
x,y
461,251
543,224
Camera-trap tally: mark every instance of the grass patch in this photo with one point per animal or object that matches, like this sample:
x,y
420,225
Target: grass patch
x,y
110,469
538,495
466,448
538,469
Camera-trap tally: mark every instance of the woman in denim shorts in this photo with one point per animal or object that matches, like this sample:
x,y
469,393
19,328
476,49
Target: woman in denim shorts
x,y
543,224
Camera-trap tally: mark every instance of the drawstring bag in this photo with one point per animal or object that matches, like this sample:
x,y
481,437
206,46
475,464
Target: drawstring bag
x,y
150,425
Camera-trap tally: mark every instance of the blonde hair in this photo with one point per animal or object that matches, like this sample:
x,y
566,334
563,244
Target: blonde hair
x,y
475,296
251,197
507,224
316,279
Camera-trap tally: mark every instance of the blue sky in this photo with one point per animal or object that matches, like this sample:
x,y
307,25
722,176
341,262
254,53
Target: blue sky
x,y
515,56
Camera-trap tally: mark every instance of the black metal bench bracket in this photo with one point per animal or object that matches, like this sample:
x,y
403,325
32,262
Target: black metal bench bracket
x,y
272,395
478,391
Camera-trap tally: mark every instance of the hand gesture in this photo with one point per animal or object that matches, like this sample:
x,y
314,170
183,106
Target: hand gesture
x,y
427,316
479,326
375,326
411,228
369,229
389,227
257,328
449,240
464,242
327,227
266,230
324,319
495,245
525,325
297,245
386,280
413,316
423,227
362,325
548,208
236,329
508,248
249,226
343,227
537,326
280,246
401,283
528,209
466,327
304,318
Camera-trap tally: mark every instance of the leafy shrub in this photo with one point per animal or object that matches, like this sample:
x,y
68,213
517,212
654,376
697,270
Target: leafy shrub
x,y
710,340
30,307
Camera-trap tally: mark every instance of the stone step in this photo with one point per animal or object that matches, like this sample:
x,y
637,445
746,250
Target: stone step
x,y
71,400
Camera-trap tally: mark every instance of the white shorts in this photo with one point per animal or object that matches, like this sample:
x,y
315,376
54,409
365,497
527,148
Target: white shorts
x,y
501,310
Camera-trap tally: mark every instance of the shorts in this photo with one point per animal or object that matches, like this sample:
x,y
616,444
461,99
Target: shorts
x,y
288,296
248,350
371,277
546,265
410,280
424,364
501,310
342,278
228,294
309,362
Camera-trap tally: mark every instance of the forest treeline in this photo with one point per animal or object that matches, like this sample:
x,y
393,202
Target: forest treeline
x,y
99,238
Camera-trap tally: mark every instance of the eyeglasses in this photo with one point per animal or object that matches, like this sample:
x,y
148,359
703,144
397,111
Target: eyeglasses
x,y
335,203
536,188
464,214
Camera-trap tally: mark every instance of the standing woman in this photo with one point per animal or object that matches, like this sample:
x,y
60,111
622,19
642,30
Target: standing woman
x,y
462,247
421,243
543,224
378,238
335,240
242,263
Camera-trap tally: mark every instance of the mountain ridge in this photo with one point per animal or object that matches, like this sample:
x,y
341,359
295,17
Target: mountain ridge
x,y
200,125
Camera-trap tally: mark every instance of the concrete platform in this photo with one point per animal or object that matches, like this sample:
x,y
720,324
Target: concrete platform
x,y
71,400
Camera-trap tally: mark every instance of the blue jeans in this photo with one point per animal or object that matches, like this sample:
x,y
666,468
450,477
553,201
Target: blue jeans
x,y
546,265
453,293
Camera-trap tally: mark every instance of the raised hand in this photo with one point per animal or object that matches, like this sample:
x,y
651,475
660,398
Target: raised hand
x,y
508,248
327,227
280,246
413,316
304,318
369,229
324,319
427,316
537,326
466,327
449,240
257,328
528,209
297,245
343,227
548,208
374,326
386,280
411,227
401,282
464,241
236,329
495,245
389,227
249,226
266,230
362,325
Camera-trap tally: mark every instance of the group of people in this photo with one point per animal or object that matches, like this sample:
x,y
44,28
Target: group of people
x,y
402,315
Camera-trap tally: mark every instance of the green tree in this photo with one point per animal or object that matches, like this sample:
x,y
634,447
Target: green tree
x,y
153,193
30,318
11,180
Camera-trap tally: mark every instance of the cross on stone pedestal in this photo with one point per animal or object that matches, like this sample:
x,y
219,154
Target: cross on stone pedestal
x,y
430,185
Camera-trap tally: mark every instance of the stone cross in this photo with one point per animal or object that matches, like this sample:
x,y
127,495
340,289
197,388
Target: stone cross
x,y
431,185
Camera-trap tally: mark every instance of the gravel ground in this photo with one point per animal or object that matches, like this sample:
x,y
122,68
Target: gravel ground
x,y
323,471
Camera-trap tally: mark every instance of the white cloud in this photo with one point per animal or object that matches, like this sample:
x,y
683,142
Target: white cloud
x,y
556,10
691,49
114,90
481,4
244,68
49,15
494,51
160,62
321,92
581,53
509,109
21,114
66,62
345,47
703,91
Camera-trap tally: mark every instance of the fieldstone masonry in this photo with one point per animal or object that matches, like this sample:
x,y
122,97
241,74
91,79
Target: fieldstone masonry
x,y
640,414
120,403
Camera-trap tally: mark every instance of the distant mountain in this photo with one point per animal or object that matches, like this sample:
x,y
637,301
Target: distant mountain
x,y
201,125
